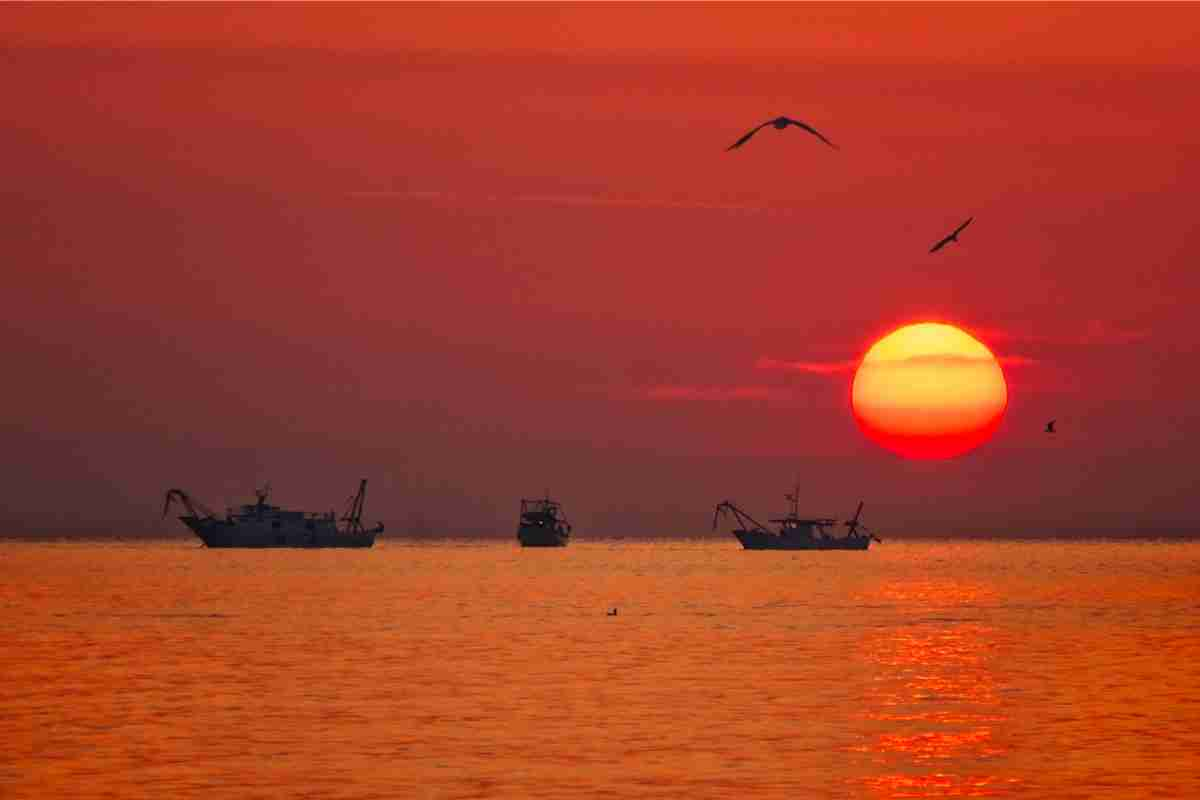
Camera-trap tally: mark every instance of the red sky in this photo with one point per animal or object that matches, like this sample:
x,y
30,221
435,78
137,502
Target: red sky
x,y
472,252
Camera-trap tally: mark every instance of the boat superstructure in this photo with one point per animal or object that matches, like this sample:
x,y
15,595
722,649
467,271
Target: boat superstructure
x,y
796,532
261,524
543,524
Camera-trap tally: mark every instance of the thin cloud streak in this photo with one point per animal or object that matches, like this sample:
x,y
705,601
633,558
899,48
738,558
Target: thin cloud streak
x,y
1016,361
708,393
1095,334
948,360
829,368
814,367
580,200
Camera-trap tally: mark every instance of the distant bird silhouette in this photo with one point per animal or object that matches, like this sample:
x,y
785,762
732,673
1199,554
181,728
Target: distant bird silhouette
x,y
1050,426
612,612
780,123
952,237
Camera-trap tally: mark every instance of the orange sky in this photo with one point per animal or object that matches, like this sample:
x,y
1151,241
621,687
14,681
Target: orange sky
x,y
472,251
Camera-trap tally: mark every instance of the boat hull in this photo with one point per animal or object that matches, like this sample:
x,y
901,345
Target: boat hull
x,y
222,533
759,540
539,536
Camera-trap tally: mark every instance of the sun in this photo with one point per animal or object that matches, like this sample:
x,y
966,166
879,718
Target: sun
x,y
929,390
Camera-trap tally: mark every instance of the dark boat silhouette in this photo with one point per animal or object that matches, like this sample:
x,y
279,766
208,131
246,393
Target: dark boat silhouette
x,y
543,524
796,532
261,524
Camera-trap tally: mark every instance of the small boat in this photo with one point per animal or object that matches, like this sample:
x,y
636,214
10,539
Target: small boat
x,y
543,524
796,532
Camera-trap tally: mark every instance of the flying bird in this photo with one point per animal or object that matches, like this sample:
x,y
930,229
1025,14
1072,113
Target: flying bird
x,y
780,123
1050,426
952,237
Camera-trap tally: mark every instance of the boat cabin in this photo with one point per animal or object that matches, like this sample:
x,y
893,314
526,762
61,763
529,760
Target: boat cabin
x,y
542,513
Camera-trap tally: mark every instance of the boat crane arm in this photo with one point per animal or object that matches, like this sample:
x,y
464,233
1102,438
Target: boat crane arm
x,y
852,524
194,507
354,512
746,521
354,508
855,526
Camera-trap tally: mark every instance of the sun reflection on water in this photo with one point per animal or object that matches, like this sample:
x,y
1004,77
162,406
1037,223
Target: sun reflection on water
x,y
939,784
934,713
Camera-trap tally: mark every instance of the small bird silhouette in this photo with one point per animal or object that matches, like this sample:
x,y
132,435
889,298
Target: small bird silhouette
x,y
952,237
780,123
1050,426
612,612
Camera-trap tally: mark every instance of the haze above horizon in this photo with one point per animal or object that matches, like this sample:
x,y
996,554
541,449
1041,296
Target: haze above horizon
x,y
516,256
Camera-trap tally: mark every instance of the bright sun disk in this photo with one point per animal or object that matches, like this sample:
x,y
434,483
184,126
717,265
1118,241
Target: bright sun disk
x,y
929,390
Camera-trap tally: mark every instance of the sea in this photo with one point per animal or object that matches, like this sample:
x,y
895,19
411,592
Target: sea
x,y
475,669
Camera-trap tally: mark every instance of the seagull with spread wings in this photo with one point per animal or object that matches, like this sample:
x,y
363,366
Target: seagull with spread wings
x,y
780,123
952,237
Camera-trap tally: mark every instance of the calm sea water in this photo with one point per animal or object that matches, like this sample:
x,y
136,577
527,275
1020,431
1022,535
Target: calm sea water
x,y
932,669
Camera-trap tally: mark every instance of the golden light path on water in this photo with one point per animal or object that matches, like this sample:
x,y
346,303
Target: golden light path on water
x,y
921,669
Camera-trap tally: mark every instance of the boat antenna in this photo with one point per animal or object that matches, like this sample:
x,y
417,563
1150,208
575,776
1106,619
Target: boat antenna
x,y
794,499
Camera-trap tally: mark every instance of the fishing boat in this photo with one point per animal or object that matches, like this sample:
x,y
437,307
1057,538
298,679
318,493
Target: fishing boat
x,y
261,524
542,524
795,532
